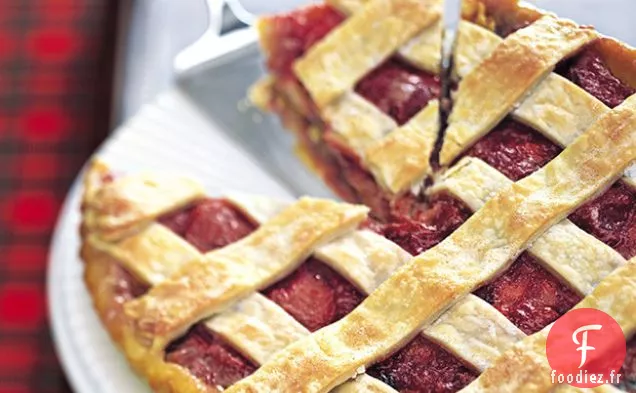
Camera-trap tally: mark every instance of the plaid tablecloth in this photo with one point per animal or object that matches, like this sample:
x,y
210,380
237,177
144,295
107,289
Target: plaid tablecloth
x,y
56,61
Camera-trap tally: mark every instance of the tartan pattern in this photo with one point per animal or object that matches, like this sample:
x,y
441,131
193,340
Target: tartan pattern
x,y
56,59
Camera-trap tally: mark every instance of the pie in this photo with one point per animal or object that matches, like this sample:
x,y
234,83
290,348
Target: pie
x,y
469,226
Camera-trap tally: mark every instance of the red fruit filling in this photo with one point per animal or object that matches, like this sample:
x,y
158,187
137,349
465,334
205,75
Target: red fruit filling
x,y
428,227
315,295
399,90
589,71
209,358
514,149
422,366
528,295
628,372
292,34
210,224
611,218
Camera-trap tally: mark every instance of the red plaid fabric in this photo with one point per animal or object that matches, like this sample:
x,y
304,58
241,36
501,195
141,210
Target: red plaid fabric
x,y
56,59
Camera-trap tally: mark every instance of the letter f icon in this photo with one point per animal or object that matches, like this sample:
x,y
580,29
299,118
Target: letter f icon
x,y
583,344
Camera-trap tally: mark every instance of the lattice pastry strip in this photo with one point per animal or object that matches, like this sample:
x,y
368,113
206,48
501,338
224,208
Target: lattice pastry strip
x,y
398,157
557,108
164,253
577,257
401,159
358,122
474,331
124,206
477,251
489,92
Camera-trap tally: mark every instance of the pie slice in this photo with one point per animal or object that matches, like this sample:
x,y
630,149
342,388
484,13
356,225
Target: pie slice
x,y
358,82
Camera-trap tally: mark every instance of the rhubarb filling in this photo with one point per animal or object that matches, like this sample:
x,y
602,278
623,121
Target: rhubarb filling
x,y
528,295
208,357
423,366
315,295
514,149
399,90
589,71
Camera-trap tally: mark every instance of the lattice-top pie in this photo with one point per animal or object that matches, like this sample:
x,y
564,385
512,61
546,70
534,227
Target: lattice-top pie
x,y
479,231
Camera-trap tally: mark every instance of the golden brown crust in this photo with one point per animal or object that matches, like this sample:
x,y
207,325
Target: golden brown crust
x,y
127,204
102,275
557,108
105,280
358,122
153,254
